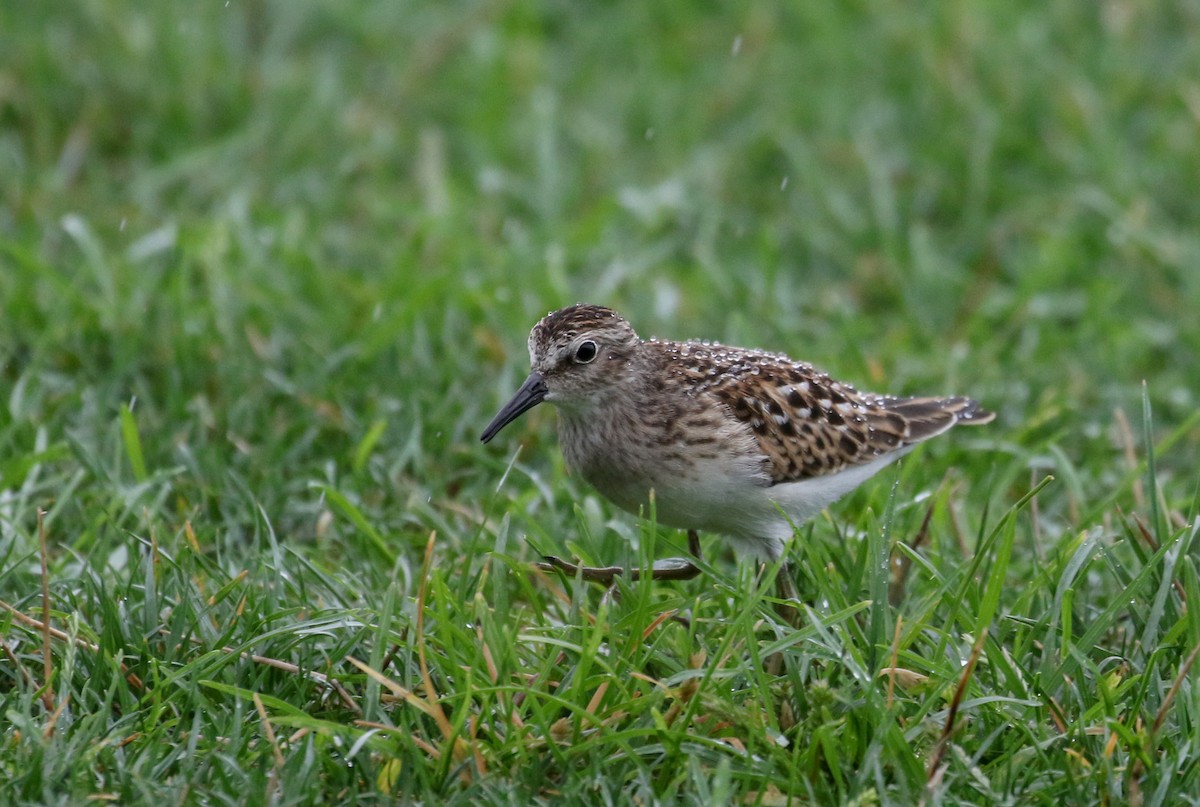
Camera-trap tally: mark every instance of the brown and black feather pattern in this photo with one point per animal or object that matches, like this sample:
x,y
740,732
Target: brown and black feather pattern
x,y
808,424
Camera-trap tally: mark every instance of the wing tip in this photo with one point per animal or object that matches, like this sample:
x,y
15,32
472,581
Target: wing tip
x,y
929,417
971,413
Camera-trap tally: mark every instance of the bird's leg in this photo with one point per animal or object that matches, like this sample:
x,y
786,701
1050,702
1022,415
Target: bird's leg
x,y
788,610
665,569
785,589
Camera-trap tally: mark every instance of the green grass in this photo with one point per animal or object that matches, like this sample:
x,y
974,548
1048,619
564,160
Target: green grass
x,y
266,270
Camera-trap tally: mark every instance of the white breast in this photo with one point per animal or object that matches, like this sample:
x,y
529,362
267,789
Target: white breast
x,y
730,498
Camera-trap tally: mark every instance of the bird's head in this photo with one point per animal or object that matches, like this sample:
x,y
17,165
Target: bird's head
x,y
577,353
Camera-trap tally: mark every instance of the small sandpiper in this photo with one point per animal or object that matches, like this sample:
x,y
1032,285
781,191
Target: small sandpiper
x,y
728,440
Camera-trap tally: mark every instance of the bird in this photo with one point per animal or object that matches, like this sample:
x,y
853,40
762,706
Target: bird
x,y
740,442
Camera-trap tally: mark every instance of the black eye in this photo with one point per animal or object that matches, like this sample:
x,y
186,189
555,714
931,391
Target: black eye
x,y
586,352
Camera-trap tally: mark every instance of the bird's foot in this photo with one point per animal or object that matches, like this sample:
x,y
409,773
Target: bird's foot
x,y
665,569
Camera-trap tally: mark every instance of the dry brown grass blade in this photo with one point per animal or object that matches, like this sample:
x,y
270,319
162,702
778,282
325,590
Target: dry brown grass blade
x,y
54,716
312,675
597,698
38,624
1057,715
488,659
935,773
401,692
457,745
429,704
16,662
431,694
658,620
480,764
895,653
269,731
906,678
1161,717
1144,531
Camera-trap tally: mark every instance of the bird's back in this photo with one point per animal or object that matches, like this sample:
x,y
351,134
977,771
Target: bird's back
x,y
806,423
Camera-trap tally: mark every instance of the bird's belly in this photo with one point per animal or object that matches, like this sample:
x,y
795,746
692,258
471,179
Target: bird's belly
x,y
726,497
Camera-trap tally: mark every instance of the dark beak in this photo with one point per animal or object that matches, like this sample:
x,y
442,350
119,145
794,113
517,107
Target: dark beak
x,y
531,393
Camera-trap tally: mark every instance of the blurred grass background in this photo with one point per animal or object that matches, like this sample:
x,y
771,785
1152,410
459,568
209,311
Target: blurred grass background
x,y
266,269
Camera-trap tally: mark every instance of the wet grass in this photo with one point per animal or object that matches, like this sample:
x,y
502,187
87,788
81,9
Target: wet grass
x,y
266,270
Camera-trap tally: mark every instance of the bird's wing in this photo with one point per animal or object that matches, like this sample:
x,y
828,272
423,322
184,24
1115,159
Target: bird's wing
x,y
810,425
